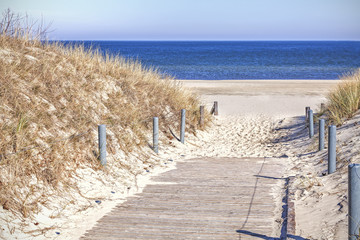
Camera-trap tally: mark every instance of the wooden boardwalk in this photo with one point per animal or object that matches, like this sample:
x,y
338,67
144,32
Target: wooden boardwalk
x,y
222,198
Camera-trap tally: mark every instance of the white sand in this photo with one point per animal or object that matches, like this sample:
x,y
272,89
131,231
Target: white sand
x,y
321,200
249,113
275,98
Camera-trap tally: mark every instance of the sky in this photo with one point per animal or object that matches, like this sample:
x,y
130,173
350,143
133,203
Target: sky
x,y
195,19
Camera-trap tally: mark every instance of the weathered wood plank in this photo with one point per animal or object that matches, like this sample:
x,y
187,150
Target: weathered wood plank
x,y
206,199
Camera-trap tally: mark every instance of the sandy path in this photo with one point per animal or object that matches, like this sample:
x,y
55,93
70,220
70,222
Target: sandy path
x,y
239,136
320,200
250,111
245,127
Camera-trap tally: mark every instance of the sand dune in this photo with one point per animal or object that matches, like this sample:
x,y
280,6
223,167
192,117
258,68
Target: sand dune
x,y
252,116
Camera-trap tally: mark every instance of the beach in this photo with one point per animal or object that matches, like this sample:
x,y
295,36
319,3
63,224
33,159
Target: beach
x,y
275,98
116,128
252,115
266,118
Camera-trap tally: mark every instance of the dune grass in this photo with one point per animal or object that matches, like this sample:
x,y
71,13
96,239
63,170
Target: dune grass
x,y
344,100
49,92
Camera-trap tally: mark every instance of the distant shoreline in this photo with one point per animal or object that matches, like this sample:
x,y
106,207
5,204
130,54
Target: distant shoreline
x,y
260,87
275,98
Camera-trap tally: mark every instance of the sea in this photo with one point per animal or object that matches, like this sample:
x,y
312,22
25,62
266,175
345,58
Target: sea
x,y
223,60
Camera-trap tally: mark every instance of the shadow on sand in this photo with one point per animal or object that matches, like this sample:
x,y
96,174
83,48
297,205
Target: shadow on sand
x,y
297,128
261,236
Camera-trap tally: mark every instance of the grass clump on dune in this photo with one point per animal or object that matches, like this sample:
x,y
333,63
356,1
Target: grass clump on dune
x,y
344,100
49,92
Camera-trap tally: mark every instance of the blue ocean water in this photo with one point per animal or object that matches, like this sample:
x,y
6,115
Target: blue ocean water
x,y
218,60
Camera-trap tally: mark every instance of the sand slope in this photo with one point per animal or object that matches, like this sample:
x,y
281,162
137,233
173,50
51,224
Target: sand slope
x,y
249,125
320,199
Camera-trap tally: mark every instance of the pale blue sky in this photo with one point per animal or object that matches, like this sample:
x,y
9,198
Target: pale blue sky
x,y
196,19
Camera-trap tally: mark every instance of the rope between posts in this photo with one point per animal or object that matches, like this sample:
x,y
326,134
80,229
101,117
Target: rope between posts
x,y
56,141
3,155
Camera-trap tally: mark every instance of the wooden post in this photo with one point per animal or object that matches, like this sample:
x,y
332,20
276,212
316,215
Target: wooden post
x,y
354,201
201,116
332,149
322,107
307,115
216,109
311,124
321,134
102,143
182,126
156,134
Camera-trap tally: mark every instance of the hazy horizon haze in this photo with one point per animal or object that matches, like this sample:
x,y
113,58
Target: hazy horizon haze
x,y
229,20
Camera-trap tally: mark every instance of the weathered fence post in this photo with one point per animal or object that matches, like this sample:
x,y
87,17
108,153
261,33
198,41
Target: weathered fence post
x,y
311,124
102,143
354,201
201,121
307,114
321,134
216,108
182,126
332,149
156,134
322,107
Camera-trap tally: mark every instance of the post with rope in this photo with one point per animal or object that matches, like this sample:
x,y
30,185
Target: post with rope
x,y
156,134
102,144
182,126
354,201
311,123
321,134
332,149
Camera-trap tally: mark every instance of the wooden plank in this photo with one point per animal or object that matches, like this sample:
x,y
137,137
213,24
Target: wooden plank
x,y
208,199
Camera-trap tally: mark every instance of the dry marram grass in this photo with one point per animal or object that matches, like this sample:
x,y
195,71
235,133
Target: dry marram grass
x,y
343,102
50,92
